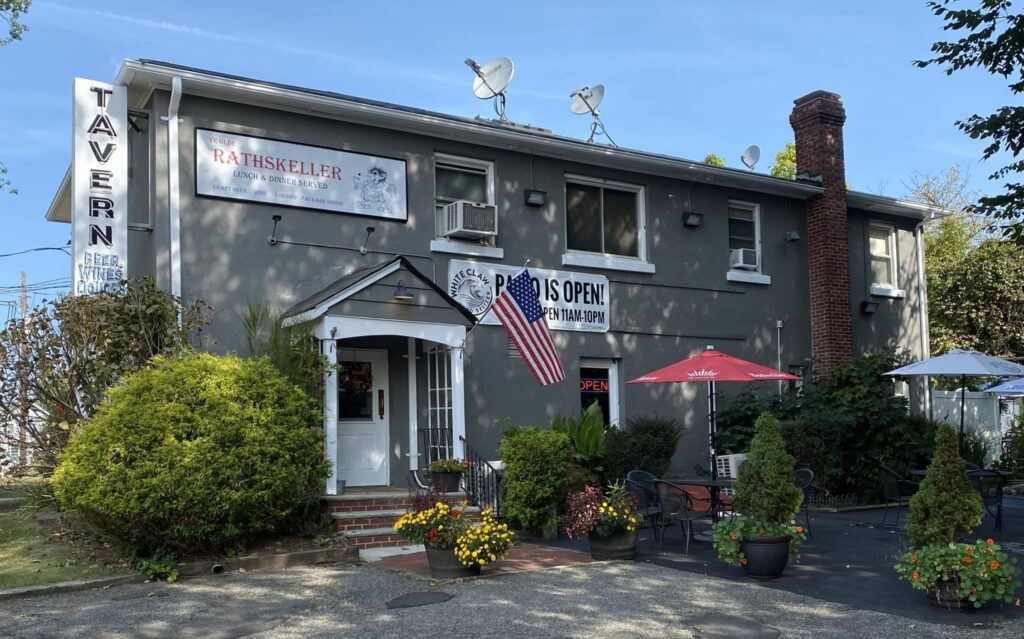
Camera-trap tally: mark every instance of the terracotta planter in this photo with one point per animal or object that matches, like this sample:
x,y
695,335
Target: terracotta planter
x,y
767,557
445,565
445,482
620,546
943,595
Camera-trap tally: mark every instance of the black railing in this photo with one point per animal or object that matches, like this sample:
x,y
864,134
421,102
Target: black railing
x,y
482,481
435,444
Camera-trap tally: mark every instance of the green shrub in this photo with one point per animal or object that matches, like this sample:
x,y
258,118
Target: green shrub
x,y
1012,457
975,448
765,490
536,474
645,442
945,508
587,434
196,453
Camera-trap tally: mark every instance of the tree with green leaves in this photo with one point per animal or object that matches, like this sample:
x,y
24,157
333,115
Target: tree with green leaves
x,y
785,163
11,12
992,40
714,160
945,507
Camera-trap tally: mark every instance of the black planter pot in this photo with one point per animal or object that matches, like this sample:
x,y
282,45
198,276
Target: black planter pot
x,y
620,546
445,482
445,565
766,557
943,595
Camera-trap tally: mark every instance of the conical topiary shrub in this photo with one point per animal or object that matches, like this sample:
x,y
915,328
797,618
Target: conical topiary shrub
x,y
765,490
945,508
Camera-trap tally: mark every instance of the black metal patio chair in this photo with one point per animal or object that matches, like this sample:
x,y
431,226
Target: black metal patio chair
x,y
803,477
990,484
898,490
679,505
641,486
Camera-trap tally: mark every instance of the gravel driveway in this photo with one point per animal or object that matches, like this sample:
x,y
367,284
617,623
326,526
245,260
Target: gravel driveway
x,y
614,600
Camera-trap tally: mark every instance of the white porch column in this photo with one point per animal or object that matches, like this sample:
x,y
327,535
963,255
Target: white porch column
x,y
414,458
331,413
458,400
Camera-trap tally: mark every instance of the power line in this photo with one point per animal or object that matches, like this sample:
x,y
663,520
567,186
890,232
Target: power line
x,y
41,248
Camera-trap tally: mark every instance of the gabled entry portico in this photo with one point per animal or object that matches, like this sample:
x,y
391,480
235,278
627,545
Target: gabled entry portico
x,y
372,433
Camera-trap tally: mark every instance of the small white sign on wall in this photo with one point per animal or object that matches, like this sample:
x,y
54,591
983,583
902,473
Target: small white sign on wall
x,y
254,169
99,186
571,301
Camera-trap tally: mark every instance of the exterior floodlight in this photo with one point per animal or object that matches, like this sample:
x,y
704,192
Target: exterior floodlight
x,y
535,197
692,219
792,236
868,308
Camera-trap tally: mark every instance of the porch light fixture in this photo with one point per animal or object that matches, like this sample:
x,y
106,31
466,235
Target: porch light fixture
x,y
535,197
868,307
402,293
692,219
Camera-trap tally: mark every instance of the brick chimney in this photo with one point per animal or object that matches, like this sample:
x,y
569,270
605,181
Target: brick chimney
x,y
817,122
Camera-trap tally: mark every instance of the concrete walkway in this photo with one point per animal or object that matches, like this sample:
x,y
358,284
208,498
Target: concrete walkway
x,y
620,600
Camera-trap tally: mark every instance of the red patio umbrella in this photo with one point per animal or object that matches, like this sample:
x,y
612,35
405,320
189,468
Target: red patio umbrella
x,y
712,366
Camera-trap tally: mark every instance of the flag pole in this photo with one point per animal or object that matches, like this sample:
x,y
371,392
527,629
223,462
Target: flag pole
x,y
488,310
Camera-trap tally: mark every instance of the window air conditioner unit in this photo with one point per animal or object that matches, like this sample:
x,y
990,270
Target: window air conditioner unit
x,y
728,467
743,259
470,220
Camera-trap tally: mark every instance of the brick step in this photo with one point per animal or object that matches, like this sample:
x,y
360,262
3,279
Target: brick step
x,y
370,519
375,538
366,502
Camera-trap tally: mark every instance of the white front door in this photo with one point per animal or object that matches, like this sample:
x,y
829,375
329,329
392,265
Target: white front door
x,y
363,417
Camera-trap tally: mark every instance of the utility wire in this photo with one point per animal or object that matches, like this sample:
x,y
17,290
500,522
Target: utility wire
x,y
63,249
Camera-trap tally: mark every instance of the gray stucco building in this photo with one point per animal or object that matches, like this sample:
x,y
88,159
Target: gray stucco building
x,y
241,191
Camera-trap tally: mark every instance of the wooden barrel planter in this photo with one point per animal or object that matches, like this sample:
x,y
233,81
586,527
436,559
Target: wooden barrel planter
x,y
445,565
943,595
620,546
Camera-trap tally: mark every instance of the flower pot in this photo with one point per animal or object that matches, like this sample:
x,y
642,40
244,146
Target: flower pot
x,y
766,557
943,595
445,565
618,546
445,482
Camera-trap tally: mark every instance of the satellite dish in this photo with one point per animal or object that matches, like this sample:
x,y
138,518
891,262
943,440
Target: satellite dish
x,y
585,100
751,156
491,81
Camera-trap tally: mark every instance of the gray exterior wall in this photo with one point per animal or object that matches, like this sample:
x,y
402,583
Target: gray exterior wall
x,y
655,319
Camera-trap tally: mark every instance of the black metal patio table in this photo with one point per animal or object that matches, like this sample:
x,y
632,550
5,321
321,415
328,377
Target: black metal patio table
x,y
714,486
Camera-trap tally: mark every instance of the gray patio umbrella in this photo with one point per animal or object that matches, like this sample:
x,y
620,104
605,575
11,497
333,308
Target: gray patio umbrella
x,y
962,364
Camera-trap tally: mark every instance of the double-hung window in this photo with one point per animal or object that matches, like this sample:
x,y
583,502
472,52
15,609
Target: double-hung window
x,y
882,260
745,244
459,178
604,225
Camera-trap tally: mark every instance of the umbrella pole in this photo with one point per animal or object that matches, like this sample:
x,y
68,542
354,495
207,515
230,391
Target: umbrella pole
x,y
963,392
711,427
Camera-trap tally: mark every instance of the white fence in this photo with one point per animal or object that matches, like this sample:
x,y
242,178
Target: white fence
x,y
981,415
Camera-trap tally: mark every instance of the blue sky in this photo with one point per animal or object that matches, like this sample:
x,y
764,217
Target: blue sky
x,y
683,78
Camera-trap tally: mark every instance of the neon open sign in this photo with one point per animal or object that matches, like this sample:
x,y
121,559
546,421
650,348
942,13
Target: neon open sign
x,y
593,385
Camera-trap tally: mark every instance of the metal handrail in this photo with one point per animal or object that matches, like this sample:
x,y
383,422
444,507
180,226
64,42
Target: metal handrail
x,y
482,481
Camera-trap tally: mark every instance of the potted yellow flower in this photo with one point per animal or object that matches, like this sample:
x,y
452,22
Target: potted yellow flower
x,y
608,520
455,546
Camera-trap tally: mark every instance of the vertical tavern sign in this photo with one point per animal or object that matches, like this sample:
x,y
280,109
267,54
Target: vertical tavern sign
x,y
99,186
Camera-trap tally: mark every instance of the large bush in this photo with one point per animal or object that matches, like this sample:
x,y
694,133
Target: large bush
x,y
195,453
645,442
945,508
537,466
765,490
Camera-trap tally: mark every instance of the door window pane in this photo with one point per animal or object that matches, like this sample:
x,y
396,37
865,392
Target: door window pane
x,y
594,387
620,230
355,390
583,213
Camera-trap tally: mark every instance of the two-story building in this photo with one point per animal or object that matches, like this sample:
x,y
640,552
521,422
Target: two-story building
x,y
393,228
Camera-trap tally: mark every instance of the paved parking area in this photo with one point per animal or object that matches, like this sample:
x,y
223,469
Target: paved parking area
x,y
598,600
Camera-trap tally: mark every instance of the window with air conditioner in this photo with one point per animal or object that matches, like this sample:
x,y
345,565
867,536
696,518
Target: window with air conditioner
x,y
882,260
466,218
745,244
604,225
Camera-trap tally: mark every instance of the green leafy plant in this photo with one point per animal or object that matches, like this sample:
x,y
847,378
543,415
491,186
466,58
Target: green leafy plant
x,y
537,463
160,567
645,442
1012,457
587,434
294,349
765,497
196,453
603,513
945,507
982,571
975,449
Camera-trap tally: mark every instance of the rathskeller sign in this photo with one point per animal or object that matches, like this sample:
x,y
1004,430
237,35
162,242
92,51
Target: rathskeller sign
x,y
571,301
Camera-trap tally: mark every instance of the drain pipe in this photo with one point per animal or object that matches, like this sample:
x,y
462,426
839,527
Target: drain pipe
x,y
922,295
779,324
173,172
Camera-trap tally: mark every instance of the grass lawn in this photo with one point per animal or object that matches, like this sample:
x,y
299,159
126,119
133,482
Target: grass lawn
x,y
33,553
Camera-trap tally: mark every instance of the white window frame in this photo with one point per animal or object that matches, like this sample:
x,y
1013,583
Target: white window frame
x,y
737,275
608,261
881,289
612,366
441,244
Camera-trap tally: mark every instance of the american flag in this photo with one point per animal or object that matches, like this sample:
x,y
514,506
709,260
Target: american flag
x,y
518,309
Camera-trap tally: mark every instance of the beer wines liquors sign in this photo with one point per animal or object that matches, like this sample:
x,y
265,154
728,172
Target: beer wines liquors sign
x,y
243,167
99,186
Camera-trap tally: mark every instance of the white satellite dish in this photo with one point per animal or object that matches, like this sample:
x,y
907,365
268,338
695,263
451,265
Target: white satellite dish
x,y
585,100
491,81
751,156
